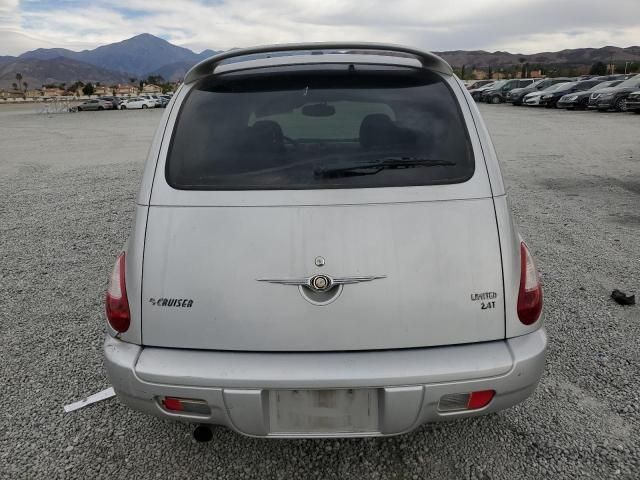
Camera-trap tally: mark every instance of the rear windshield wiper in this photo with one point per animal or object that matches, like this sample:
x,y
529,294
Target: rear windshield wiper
x,y
388,163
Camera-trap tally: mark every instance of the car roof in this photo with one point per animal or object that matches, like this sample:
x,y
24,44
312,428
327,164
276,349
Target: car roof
x,y
317,53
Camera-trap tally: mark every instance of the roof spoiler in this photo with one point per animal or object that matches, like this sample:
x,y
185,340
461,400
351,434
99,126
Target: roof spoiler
x,y
428,60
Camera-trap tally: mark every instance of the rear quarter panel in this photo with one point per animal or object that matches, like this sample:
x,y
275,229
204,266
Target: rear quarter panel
x,y
510,245
134,251
507,229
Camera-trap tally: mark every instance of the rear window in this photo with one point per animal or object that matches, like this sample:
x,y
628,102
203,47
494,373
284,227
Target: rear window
x,y
299,128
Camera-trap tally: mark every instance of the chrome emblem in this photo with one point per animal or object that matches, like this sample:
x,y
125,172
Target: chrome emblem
x,y
319,262
320,283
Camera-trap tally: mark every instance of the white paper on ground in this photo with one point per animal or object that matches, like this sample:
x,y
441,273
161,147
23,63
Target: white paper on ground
x,y
96,397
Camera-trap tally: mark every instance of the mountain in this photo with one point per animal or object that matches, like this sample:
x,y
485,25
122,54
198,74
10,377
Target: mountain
x,y
577,56
208,53
145,54
176,71
50,53
173,72
37,72
137,56
6,59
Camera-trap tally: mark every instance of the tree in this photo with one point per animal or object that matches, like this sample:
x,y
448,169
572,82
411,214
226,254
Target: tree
x,y
76,86
25,85
462,71
19,78
88,89
598,68
132,80
14,85
155,79
490,72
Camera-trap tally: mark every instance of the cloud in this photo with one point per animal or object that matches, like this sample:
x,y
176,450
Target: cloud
x,y
525,26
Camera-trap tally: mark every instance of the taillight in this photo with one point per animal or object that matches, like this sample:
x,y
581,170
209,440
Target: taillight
x,y
530,294
116,302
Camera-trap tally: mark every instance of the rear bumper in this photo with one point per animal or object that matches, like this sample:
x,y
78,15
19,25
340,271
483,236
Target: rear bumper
x,y
410,383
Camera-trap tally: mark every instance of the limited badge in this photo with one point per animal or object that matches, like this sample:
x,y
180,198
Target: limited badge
x,y
486,299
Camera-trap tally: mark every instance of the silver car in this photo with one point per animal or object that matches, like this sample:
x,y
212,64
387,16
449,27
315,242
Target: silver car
x,y
95,104
323,247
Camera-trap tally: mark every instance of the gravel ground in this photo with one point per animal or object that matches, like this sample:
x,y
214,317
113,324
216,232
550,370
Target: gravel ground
x,y
68,184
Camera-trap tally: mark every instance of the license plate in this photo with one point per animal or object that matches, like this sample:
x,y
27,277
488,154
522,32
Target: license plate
x,y
323,411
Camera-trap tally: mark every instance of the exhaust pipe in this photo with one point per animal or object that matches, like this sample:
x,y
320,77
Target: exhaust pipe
x,y
202,433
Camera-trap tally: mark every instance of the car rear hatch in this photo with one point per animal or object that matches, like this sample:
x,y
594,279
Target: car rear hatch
x,y
275,181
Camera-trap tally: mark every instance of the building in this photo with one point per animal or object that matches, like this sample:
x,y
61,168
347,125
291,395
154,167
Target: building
x,y
52,92
102,90
151,88
479,74
126,90
33,93
77,92
11,94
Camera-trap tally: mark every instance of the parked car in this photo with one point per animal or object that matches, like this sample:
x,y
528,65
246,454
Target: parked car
x,y
535,98
498,93
137,102
633,102
476,93
153,99
492,87
94,104
163,101
614,98
550,99
115,101
580,100
478,83
322,307
516,96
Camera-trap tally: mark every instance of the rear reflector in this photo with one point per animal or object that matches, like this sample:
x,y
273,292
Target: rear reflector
x,y
185,405
456,402
173,404
480,399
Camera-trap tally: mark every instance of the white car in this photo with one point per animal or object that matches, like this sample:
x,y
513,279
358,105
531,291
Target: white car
x,y
327,250
151,98
137,103
534,98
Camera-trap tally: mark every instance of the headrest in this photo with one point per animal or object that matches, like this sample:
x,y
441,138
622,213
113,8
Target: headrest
x,y
378,130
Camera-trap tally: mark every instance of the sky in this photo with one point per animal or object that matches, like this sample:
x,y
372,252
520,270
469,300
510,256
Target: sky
x,y
518,26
